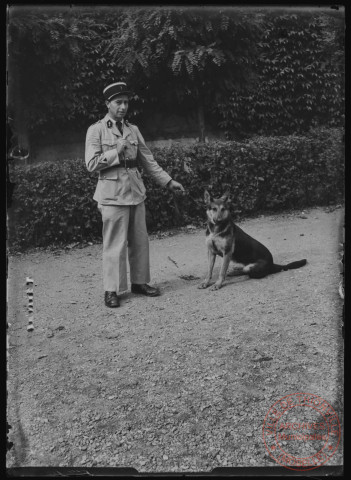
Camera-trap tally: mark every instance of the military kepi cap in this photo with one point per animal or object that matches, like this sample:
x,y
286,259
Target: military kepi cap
x,y
118,88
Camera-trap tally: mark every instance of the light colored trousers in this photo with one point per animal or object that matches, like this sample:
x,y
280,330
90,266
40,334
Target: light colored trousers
x,y
124,233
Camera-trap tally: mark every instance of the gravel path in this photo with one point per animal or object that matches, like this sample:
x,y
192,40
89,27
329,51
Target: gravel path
x,y
181,382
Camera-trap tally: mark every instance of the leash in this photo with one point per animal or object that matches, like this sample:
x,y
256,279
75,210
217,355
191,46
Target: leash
x,y
176,196
178,210
199,204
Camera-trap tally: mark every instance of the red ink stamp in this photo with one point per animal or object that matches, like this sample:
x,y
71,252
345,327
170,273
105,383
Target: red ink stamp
x,y
301,431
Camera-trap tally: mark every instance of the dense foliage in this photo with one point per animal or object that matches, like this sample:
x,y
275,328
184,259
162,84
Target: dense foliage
x,y
243,70
53,202
186,57
300,79
55,60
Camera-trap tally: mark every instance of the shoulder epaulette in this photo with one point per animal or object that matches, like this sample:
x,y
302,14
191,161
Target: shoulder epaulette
x,y
129,124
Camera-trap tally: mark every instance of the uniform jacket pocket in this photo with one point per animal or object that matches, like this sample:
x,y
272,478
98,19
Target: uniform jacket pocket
x,y
106,146
139,184
131,150
108,173
106,190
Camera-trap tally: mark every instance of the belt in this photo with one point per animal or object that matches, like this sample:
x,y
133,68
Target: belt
x,y
128,164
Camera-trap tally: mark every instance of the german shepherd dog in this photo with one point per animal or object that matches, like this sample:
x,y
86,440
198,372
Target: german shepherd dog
x,y
227,240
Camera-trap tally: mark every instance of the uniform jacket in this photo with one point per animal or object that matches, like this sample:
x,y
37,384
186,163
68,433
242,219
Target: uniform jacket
x,y
119,186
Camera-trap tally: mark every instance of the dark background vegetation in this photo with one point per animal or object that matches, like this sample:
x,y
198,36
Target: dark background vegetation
x,y
271,80
54,203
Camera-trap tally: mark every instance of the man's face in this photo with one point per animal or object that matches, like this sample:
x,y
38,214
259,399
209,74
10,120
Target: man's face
x,y
118,107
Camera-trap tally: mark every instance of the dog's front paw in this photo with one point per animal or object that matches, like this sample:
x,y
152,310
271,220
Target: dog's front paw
x,y
216,286
204,284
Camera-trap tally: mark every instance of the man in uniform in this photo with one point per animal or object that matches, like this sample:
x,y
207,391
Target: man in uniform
x,y
112,148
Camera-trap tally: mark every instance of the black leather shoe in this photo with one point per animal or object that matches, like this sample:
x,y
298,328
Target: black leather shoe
x,y
111,300
145,290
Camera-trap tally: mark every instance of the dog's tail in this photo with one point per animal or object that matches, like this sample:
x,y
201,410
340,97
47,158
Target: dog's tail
x,y
279,268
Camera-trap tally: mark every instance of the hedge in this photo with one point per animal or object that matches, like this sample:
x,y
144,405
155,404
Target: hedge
x,y
52,202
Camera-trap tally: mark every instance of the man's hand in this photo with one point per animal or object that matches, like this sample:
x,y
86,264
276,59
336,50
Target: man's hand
x,y
121,145
175,186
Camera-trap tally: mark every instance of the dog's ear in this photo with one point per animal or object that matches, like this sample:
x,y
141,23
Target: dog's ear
x,y
207,197
226,196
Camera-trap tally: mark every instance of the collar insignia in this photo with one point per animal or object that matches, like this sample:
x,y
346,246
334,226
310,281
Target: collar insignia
x,y
109,124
